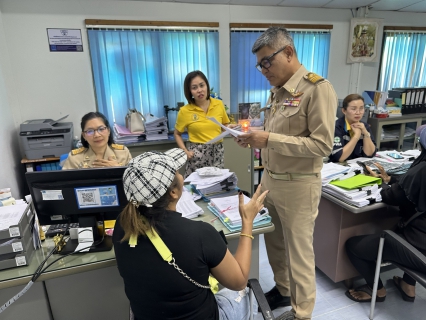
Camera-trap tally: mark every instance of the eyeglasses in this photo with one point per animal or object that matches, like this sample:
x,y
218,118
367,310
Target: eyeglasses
x,y
266,62
91,132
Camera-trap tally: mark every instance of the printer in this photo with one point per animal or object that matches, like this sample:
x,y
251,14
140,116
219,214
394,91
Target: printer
x,y
44,138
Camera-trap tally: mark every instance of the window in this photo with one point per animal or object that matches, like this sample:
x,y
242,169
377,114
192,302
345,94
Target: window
x,y
249,85
144,69
403,60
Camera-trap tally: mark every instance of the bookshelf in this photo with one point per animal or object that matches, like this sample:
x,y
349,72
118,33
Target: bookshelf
x,y
377,125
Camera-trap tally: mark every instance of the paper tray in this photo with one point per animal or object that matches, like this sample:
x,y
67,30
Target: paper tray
x,y
16,244
17,230
18,259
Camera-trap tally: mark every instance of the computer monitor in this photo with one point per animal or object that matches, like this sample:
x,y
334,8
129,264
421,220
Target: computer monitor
x,y
86,196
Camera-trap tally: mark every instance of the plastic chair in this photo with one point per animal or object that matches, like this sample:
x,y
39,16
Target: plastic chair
x,y
420,277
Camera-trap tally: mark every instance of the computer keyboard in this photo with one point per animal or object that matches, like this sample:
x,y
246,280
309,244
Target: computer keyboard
x,y
55,229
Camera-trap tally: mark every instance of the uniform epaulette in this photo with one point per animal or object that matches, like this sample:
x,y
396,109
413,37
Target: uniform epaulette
x,y
117,146
77,151
313,77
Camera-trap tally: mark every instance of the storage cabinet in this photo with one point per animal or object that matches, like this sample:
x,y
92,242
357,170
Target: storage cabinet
x,y
377,125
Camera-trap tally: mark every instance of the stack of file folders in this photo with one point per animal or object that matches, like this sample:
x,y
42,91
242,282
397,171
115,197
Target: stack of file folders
x,y
156,128
359,190
209,187
122,135
187,207
226,209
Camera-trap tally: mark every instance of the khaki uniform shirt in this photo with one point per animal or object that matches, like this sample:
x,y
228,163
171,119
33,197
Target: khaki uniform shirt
x,y
300,117
83,157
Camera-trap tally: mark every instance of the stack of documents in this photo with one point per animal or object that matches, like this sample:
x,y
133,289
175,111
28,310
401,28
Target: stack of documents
x,y
357,197
332,171
156,128
122,135
226,209
187,206
214,186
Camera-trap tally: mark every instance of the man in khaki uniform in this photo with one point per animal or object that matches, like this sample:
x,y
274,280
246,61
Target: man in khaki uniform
x,y
299,127
115,155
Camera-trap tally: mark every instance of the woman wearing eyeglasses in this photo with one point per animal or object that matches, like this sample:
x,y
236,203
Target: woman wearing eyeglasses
x,y
98,148
352,137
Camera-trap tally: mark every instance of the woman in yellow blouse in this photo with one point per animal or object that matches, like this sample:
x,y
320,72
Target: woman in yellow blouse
x,y
193,118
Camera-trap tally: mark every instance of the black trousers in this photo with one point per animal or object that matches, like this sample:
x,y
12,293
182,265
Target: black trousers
x,y
362,251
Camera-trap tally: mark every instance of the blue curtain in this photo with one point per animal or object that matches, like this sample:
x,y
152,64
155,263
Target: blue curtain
x,y
249,85
403,61
145,69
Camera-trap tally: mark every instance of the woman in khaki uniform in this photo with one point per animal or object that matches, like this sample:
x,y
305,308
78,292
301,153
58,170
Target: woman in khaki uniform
x,y
98,148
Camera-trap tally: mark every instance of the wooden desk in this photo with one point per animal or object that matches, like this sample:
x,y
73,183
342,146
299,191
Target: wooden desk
x,y
337,222
86,286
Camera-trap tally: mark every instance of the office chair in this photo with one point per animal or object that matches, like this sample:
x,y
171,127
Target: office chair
x,y
420,277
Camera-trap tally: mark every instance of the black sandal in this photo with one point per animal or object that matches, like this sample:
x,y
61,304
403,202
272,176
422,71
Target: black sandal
x,y
365,288
405,297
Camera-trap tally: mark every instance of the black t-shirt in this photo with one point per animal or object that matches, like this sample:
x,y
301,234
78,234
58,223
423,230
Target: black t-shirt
x,y
156,290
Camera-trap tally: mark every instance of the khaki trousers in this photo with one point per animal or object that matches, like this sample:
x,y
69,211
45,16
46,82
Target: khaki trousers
x,y
293,206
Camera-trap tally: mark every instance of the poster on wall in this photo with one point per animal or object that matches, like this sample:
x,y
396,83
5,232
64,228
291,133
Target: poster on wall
x,y
65,40
363,40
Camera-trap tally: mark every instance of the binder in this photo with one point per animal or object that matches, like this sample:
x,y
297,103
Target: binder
x,y
357,182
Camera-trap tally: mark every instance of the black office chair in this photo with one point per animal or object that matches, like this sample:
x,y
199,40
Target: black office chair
x,y
420,277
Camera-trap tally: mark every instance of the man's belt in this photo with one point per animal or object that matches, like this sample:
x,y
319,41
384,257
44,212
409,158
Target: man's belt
x,y
290,176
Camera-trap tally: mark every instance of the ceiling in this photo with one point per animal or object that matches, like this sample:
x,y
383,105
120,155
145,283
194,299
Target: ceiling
x,y
374,5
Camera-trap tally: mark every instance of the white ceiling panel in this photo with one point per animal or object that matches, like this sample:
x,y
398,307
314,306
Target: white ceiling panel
x,y
417,7
392,5
304,3
255,2
205,1
348,4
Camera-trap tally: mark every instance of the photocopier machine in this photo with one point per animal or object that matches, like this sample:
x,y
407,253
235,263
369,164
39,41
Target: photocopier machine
x,y
44,138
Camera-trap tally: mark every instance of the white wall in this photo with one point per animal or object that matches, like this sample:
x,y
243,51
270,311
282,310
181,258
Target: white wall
x,y
49,85
10,166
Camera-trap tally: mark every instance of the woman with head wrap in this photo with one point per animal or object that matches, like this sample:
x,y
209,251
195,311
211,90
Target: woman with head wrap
x,y
409,193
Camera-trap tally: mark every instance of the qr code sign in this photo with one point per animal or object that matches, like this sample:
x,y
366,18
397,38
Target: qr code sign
x,y
88,197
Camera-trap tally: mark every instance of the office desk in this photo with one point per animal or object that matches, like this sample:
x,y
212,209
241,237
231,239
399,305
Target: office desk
x,y
337,222
85,286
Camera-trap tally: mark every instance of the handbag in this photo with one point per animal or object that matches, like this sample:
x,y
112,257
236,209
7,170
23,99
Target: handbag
x,y
135,121
166,254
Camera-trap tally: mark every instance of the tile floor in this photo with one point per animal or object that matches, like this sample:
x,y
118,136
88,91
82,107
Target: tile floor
x,y
332,304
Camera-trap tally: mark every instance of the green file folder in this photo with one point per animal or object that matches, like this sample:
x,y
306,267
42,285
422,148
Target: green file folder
x,y
358,181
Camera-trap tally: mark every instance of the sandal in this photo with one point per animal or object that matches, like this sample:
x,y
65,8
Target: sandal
x,y
397,280
365,288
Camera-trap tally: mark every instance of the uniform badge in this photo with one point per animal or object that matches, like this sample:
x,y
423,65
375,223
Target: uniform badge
x,y
291,102
195,117
336,139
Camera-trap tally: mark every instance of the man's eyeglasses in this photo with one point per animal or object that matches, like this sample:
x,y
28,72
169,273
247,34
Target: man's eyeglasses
x,y
91,132
266,62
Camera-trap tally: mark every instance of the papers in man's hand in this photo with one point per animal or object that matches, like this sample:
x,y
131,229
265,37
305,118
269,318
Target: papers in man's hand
x,y
187,206
233,132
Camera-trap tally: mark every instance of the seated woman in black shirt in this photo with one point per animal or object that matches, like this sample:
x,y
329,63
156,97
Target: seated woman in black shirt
x,y
352,137
409,193
157,289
